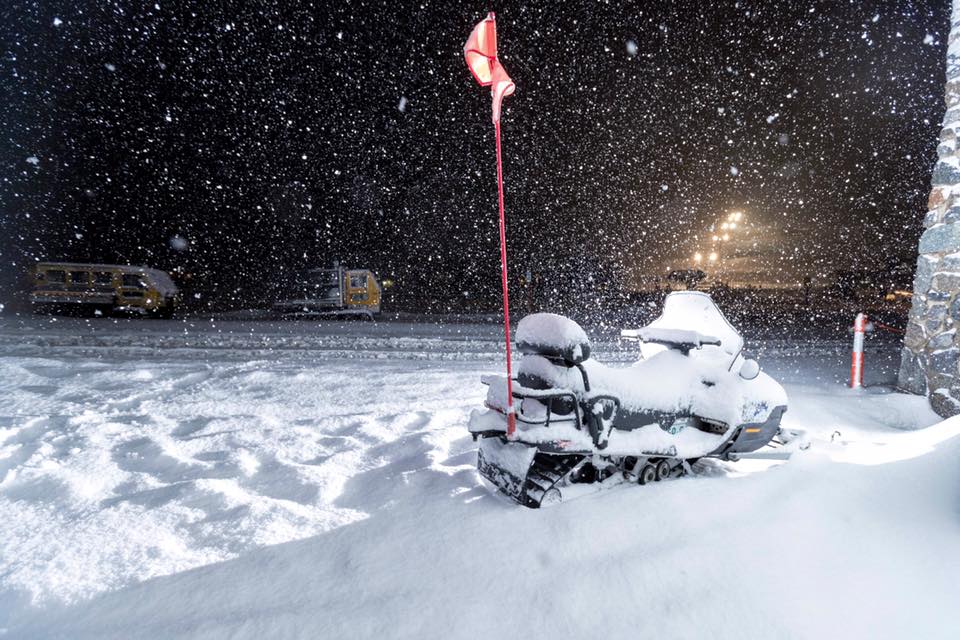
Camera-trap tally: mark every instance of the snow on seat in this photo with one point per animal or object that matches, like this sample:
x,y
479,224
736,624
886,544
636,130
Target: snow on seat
x,y
553,336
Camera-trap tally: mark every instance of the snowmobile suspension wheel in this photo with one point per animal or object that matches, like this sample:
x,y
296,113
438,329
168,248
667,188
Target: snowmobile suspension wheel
x,y
647,474
662,470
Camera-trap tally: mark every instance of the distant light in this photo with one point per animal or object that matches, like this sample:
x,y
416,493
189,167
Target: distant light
x,y
697,257
715,238
733,225
713,256
725,225
726,236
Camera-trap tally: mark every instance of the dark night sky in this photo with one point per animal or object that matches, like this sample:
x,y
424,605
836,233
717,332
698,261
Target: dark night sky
x,y
271,136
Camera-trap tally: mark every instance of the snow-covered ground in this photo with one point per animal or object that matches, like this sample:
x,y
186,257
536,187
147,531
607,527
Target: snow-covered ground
x,y
222,479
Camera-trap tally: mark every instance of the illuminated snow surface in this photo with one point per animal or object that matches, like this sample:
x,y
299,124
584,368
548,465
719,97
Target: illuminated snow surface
x,y
248,480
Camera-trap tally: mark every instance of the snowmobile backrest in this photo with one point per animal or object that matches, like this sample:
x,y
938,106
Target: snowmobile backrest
x,y
695,312
553,336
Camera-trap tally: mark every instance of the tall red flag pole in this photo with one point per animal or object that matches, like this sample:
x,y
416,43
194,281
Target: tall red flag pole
x,y
511,416
480,53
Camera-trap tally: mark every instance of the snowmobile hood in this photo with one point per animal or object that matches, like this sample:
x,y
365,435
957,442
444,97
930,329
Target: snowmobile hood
x,y
671,382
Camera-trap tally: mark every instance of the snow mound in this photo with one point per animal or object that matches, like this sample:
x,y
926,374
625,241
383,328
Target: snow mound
x,y
113,474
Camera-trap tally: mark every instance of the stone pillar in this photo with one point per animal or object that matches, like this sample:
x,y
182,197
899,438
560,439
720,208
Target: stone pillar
x,y
931,349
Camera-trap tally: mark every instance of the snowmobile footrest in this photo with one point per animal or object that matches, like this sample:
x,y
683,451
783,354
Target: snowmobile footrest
x,y
759,455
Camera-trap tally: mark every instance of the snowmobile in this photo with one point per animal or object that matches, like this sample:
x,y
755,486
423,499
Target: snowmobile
x,y
582,425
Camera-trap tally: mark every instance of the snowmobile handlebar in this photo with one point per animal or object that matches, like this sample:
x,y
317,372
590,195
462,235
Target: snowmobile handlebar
x,y
679,339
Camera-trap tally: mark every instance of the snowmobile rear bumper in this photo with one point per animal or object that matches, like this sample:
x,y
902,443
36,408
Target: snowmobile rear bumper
x,y
525,473
506,464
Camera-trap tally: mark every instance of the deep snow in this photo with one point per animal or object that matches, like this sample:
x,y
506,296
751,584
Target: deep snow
x,y
156,482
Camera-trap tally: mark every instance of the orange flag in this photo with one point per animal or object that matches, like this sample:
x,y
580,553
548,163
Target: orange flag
x,y
480,53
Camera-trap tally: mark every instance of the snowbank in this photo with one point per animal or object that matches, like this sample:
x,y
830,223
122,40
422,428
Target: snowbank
x,y
812,549
326,498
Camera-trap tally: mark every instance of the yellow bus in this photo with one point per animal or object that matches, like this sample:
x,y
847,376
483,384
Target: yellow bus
x,y
104,288
332,292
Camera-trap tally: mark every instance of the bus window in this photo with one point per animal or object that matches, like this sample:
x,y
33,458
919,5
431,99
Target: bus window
x,y
79,277
133,280
103,277
56,276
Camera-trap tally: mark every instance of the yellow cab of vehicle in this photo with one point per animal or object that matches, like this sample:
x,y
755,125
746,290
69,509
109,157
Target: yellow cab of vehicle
x,y
105,288
362,291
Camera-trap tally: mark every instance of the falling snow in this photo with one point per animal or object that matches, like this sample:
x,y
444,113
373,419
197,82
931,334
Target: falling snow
x,y
264,137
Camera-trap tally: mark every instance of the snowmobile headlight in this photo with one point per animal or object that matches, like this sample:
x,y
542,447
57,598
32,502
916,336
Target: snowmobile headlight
x,y
750,369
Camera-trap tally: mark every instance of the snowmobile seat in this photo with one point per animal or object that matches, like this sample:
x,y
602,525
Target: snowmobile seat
x,y
541,372
553,336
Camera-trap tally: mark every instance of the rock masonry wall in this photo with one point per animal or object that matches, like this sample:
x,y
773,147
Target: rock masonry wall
x,y
930,363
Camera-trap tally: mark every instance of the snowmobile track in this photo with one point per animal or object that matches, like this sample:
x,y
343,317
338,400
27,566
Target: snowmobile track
x,y
545,472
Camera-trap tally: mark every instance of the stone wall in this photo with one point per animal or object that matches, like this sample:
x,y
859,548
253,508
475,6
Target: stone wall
x,y
930,363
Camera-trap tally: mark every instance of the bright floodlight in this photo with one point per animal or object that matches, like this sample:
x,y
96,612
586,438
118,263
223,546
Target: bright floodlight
x,y
697,257
725,225
726,236
713,256
733,225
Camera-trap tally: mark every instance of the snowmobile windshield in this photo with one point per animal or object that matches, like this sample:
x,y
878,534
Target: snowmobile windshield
x,y
696,312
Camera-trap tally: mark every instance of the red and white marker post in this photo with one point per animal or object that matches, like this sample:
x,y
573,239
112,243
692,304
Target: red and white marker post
x,y
856,362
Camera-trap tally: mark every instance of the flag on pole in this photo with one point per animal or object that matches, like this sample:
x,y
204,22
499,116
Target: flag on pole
x,y
481,55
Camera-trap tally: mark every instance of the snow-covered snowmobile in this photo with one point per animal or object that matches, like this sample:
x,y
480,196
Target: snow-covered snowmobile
x,y
582,424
